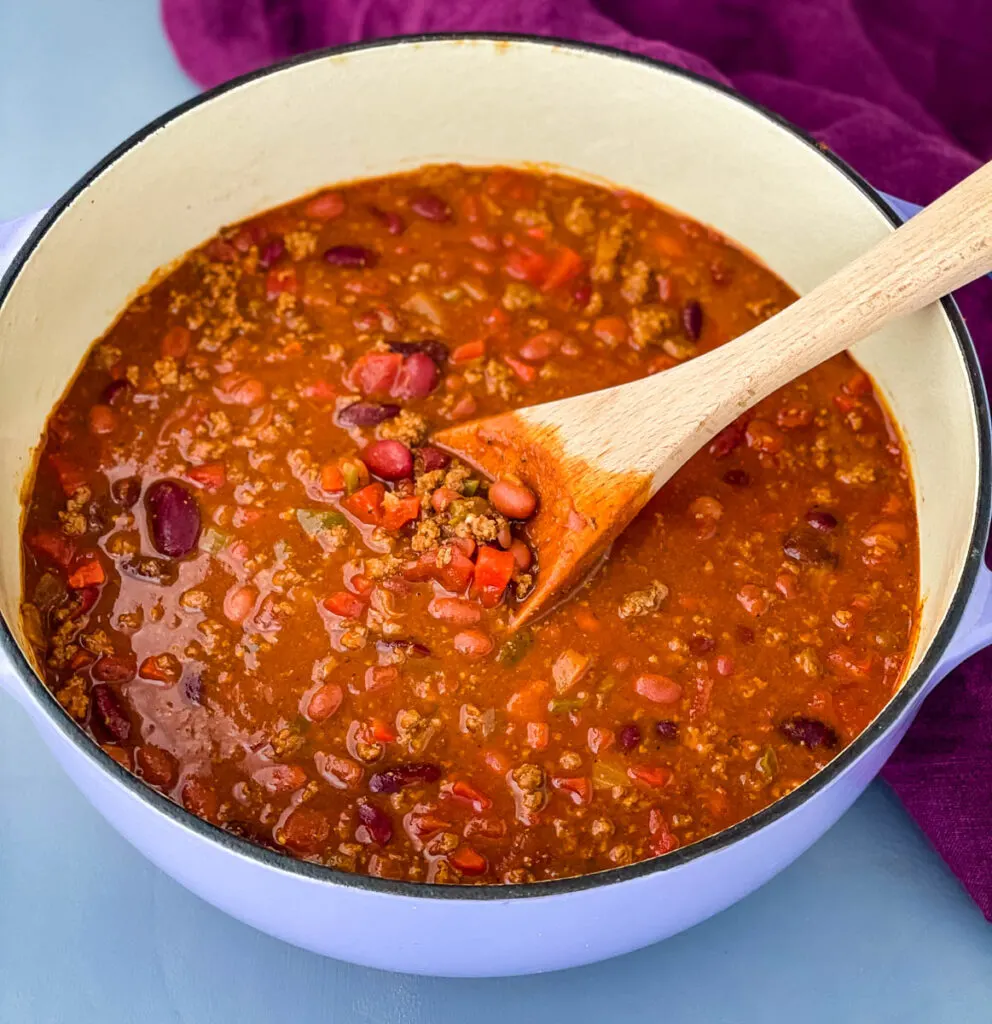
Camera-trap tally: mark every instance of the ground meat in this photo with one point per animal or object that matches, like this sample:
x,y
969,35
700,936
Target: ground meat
x,y
532,219
456,476
73,523
427,536
648,323
499,380
609,246
636,279
408,427
520,296
300,244
643,602
427,483
578,219
858,475
74,698
482,527
380,568
529,790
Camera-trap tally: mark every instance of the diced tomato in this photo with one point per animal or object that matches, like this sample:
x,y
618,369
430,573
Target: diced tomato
x,y
454,573
71,477
566,265
469,351
611,330
466,861
600,739
496,318
375,372
585,620
493,571
529,703
318,391
53,546
859,383
524,264
496,761
345,604
651,776
87,572
849,662
360,583
210,475
468,794
382,732
579,789
472,209
281,279
366,505
526,372
404,511
331,478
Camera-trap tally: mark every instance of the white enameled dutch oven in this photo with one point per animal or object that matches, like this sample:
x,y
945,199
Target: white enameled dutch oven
x,y
391,106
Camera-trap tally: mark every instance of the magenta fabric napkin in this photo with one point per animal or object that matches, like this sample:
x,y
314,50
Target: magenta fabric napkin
x,y
902,89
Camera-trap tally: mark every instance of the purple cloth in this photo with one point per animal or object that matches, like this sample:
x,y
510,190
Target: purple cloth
x,y
900,88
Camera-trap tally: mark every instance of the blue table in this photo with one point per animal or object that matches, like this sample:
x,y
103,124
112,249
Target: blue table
x,y
867,926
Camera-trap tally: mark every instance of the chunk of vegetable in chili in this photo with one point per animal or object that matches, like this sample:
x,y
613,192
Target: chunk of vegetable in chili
x,y
240,541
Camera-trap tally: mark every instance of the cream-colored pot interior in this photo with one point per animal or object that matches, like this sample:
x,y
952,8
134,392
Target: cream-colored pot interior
x,y
384,109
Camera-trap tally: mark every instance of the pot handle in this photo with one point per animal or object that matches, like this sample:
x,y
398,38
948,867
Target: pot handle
x,y
974,631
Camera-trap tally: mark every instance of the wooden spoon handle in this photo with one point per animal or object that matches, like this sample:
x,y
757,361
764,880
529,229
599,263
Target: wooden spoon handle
x,y
945,246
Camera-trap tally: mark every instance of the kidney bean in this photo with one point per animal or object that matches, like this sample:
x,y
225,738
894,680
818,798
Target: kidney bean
x,y
667,730
522,555
367,414
156,766
388,460
430,207
272,252
280,778
417,378
726,441
126,491
326,206
116,392
808,732
174,518
807,549
393,221
700,644
111,712
176,342
736,478
340,772
513,500
306,830
822,520
113,668
472,643
628,737
378,827
692,319
657,688
433,458
240,389
437,350
392,780
455,610
352,256
324,702
103,419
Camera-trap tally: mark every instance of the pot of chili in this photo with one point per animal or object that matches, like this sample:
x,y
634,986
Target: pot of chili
x,y
263,622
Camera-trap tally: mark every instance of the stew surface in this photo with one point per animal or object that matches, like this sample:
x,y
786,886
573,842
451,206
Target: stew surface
x,y
250,577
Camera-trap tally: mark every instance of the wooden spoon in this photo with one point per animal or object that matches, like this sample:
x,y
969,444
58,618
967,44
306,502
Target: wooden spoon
x,y
594,460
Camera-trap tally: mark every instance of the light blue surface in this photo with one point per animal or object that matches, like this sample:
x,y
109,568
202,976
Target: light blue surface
x,y
867,926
